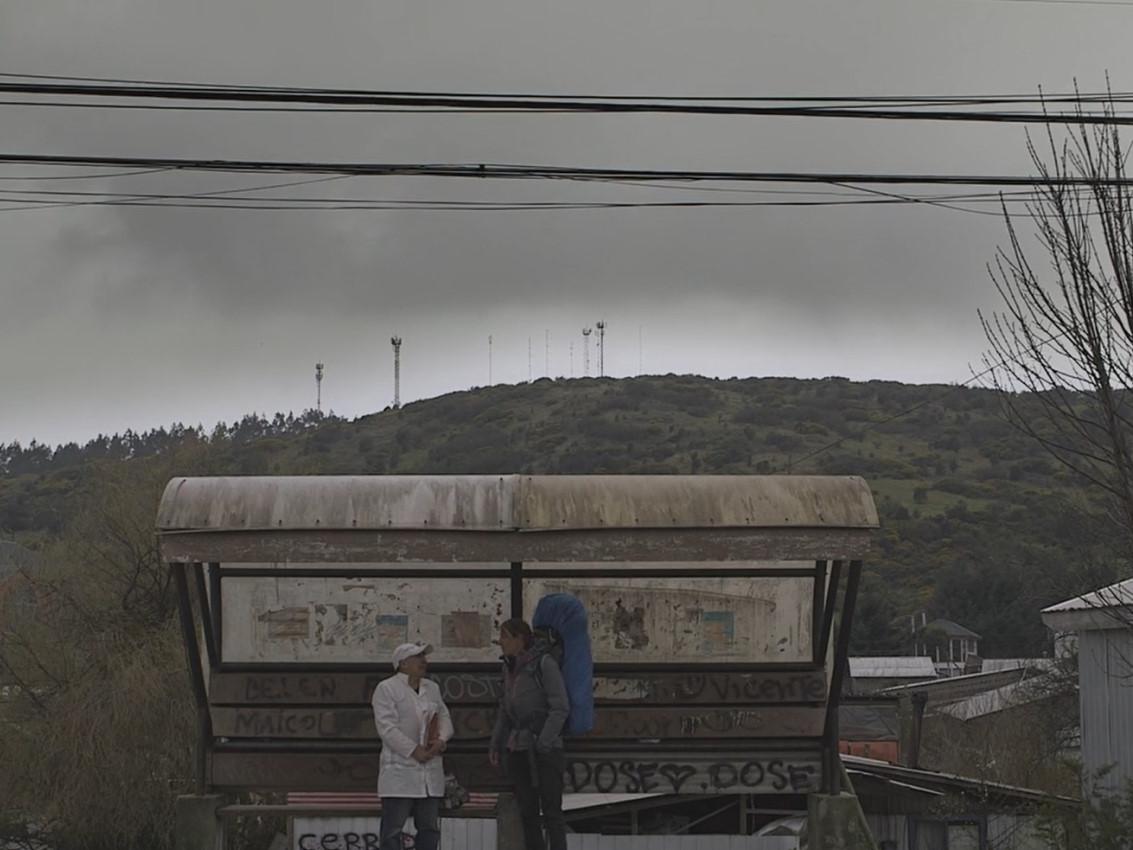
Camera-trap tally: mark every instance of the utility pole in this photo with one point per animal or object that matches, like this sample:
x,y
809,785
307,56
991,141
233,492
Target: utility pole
x,y
395,341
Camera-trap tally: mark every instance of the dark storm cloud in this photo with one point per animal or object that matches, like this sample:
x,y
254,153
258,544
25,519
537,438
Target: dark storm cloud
x,y
129,316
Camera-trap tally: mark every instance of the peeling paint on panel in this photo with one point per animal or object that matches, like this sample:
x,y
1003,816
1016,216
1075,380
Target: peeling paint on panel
x,y
332,620
286,623
392,630
692,620
466,629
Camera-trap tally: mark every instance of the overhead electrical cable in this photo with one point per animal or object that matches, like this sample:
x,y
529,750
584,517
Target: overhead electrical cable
x,y
1063,97
925,110
504,171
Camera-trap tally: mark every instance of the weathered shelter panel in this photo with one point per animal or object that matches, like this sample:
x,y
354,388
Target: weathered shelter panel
x,y
724,619
691,620
316,620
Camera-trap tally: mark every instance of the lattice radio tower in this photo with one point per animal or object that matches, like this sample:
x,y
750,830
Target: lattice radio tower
x,y
601,349
395,341
318,387
586,352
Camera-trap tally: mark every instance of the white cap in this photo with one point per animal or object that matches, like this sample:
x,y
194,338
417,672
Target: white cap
x,y
408,650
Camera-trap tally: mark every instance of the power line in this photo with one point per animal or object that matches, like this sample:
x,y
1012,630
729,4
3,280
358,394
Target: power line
x,y
114,174
822,108
848,198
539,172
1067,97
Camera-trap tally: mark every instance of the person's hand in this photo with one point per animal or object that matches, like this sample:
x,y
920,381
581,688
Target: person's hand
x,y
494,758
436,748
421,755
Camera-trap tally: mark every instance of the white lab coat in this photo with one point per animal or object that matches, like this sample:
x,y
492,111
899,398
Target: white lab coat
x,y
400,715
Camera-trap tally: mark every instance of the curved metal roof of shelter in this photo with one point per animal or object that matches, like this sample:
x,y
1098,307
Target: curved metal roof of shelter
x,y
524,503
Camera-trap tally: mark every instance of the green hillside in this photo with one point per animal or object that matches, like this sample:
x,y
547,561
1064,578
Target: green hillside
x,y
978,525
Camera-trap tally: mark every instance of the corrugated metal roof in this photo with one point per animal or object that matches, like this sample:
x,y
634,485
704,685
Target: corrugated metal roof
x,y
969,683
999,699
892,667
995,665
1108,608
951,781
949,628
1114,596
515,502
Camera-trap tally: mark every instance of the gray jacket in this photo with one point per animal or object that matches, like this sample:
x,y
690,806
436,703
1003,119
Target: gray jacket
x,y
534,705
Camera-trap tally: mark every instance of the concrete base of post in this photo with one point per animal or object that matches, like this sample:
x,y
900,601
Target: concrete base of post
x,y
836,822
509,826
197,826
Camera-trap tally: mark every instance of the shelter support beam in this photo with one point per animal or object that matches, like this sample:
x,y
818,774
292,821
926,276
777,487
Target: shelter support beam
x,y
196,674
831,779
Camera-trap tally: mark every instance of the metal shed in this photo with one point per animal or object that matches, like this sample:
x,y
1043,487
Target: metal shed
x,y
707,702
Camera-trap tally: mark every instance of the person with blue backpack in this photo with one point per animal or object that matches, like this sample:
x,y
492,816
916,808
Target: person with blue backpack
x,y
548,691
527,738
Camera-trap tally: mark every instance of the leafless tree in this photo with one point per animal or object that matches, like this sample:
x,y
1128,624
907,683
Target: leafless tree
x,y
1061,346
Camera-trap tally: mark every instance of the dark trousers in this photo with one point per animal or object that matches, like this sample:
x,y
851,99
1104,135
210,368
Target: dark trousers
x,y
426,813
543,790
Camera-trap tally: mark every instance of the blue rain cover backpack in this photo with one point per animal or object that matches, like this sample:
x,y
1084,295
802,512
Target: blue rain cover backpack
x,y
562,616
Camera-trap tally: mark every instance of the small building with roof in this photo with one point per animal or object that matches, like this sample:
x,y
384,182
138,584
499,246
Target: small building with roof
x,y
870,674
1100,625
952,647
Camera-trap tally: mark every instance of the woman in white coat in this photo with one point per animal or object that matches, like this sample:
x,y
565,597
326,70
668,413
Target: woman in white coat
x,y
414,725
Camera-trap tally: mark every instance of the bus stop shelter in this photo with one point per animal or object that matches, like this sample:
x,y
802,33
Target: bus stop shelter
x,y
720,611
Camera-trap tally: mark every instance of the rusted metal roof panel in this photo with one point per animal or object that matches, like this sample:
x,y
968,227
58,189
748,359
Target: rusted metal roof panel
x,y
515,503
545,502
464,502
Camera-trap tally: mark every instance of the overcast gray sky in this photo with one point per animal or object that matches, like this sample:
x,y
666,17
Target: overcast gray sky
x,y
119,317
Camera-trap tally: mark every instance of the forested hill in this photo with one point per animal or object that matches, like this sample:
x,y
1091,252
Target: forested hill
x,y
978,525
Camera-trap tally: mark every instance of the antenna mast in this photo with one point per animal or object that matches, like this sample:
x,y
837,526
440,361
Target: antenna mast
x,y
395,341
586,352
601,349
319,387
489,360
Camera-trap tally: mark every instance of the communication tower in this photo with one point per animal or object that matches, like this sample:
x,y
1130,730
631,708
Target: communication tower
x,y
601,349
395,341
319,387
586,352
